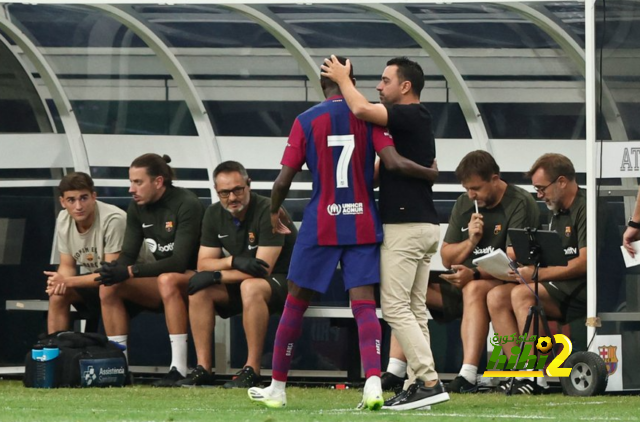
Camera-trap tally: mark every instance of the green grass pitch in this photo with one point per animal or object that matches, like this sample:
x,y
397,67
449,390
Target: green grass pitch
x,y
144,403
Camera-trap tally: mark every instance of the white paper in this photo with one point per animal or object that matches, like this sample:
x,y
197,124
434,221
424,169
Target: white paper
x,y
496,263
630,261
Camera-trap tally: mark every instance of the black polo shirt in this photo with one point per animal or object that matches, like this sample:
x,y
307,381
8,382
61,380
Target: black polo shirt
x,y
242,238
406,199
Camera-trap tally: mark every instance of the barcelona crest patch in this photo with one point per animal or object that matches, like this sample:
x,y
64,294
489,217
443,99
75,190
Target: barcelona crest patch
x,y
608,355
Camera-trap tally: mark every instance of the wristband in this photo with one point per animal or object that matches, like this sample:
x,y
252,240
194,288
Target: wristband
x,y
633,224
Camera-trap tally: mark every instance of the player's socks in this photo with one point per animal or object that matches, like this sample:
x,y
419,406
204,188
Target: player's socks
x,y
122,341
397,367
277,386
369,335
469,372
179,352
289,329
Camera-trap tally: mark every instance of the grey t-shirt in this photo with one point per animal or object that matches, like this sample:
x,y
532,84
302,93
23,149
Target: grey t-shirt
x,y
104,237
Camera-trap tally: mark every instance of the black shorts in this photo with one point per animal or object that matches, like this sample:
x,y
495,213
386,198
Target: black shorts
x,y
570,296
90,304
279,290
452,304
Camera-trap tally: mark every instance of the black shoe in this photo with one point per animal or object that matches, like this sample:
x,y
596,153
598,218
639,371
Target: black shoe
x,y
391,382
170,379
246,378
524,386
417,396
461,385
199,377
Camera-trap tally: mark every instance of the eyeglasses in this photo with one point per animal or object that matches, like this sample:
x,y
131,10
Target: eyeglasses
x,y
541,189
236,191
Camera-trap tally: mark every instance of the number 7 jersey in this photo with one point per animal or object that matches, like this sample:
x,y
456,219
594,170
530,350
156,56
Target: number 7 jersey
x,y
340,152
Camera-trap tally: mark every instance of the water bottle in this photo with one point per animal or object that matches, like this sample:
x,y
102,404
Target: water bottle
x,y
37,354
50,352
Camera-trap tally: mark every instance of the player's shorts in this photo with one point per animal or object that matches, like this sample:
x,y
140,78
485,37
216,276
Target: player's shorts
x,y
312,266
90,305
279,290
452,304
570,296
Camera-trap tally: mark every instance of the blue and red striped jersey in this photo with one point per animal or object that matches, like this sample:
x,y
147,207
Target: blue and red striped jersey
x,y
340,152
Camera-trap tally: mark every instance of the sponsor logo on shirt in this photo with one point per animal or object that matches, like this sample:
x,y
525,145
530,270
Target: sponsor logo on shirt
x,y
153,246
346,209
483,251
252,247
144,226
222,236
571,251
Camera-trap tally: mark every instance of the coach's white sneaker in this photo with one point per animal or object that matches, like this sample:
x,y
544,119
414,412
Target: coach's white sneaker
x,y
268,397
372,394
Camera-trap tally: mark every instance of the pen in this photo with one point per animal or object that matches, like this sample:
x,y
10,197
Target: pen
x,y
475,202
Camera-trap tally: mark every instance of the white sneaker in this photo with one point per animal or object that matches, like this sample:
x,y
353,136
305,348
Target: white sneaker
x,y
372,394
269,398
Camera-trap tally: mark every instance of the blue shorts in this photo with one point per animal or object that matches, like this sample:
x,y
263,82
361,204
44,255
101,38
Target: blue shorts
x,y
312,266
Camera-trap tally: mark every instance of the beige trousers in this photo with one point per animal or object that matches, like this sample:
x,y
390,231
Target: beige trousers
x,y
404,268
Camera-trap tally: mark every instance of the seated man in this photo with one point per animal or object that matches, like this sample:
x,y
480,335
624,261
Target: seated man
x,y
250,281
167,219
472,233
87,231
562,290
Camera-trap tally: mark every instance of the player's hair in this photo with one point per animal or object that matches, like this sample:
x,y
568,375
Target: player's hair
x,y
156,166
411,71
477,163
554,165
75,181
326,82
230,167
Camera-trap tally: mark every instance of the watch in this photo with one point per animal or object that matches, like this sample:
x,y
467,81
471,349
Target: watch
x,y
476,274
633,224
217,277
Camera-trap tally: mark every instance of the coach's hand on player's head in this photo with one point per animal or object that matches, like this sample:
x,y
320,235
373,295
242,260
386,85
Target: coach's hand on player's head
x,y
112,273
252,266
202,280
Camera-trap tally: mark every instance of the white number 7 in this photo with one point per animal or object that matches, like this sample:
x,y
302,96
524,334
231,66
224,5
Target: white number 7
x,y
348,144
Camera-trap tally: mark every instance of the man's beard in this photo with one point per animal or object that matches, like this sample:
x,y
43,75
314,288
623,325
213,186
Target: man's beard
x,y
235,211
552,206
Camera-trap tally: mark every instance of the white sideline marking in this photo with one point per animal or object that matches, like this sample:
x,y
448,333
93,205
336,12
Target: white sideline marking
x,y
411,413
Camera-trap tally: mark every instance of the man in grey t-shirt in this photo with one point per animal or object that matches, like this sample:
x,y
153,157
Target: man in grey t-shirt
x,y
88,231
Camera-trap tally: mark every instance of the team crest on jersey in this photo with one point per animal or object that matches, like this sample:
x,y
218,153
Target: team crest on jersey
x,y
89,257
497,229
252,238
386,133
168,226
567,231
